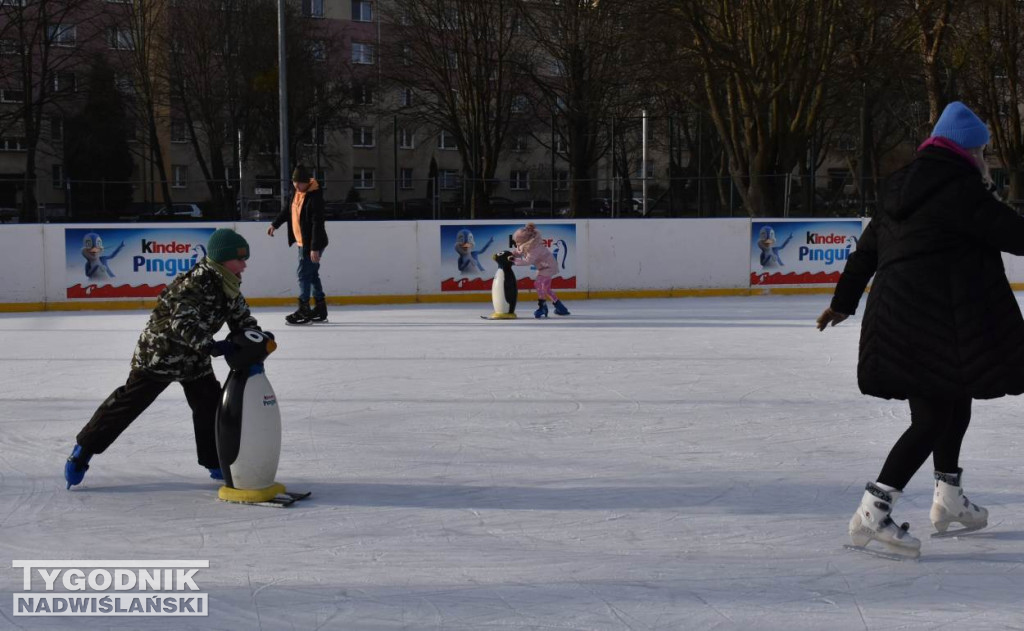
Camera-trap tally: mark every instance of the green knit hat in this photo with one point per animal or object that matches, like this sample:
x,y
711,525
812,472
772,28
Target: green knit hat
x,y
225,244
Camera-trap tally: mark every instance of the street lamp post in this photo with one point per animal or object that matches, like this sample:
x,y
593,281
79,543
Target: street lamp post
x,y
282,92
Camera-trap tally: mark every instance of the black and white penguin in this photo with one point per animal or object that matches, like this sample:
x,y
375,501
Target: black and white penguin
x,y
504,291
249,423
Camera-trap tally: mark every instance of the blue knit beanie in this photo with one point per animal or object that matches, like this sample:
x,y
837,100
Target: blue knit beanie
x,y
959,124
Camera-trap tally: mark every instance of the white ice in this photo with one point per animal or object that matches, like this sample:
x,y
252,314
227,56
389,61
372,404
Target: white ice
x,y
648,464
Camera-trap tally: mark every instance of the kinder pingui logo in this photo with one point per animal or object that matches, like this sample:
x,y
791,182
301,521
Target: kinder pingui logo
x,y
829,248
110,588
160,256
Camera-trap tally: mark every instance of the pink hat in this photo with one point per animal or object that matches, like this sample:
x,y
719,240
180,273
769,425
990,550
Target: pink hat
x,y
525,234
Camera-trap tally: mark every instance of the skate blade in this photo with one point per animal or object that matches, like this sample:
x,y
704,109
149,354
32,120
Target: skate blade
x,y
912,555
949,534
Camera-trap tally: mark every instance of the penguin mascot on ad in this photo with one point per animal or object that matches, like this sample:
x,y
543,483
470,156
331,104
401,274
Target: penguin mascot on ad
x,y
504,291
249,427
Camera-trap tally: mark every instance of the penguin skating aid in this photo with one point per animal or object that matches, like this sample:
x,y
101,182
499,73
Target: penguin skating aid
x,y
504,291
249,427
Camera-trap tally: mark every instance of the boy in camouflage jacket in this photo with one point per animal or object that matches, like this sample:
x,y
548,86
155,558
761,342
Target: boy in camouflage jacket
x,y
177,345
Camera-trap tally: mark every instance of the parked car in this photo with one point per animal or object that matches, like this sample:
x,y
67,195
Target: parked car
x,y
598,207
9,215
174,212
533,208
261,209
416,208
355,211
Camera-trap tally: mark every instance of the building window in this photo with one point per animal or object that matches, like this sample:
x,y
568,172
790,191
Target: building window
x,y
8,95
313,8
406,56
362,178
9,47
12,143
449,179
446,141
178,131
362,53
519,104
405,179
406,139
318,50
316,136
180,176
561,180
62,34
56,128
362,11
363,94
362,137
519,143
125,84
519,180
405,97
120,38
57,172
64,82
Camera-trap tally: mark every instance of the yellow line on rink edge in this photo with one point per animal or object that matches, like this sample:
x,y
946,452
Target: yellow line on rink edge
x,y
476,297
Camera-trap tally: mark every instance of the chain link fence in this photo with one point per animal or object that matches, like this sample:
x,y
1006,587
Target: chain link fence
x,y
450,197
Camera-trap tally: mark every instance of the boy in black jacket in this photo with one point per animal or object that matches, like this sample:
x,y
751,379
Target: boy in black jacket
x,y
305,219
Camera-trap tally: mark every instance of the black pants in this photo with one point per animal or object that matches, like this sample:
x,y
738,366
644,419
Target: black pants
x,y
937,427
125,404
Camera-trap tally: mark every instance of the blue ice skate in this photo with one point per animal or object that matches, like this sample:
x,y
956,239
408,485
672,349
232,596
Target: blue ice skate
x,y
216,473
76,466
542,310
560,309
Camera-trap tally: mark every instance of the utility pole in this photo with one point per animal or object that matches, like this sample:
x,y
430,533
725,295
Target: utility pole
x,y
282,94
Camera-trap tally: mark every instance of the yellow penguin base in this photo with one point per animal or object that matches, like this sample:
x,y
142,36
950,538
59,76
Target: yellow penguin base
x,y
502,316
251,496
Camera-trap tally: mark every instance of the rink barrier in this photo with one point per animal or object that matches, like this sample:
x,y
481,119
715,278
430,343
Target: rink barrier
x,y
400,262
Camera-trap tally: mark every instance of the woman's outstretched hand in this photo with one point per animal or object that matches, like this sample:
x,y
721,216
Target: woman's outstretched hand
x,y
829,316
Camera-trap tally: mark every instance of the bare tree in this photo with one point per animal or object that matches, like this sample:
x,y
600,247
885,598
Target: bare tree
x,y
991,42
584,68
464,58
933,19
48,36
138,33
765,69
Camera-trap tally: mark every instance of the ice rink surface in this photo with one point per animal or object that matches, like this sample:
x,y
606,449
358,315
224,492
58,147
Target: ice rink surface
x,y
650,464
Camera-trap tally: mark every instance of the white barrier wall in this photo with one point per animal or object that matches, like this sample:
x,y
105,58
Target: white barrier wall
x,y
401,259
23,261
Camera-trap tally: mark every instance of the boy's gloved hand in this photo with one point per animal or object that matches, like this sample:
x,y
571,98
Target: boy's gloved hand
x,y
222,347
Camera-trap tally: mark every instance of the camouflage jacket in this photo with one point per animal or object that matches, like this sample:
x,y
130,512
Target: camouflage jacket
x,y
175,343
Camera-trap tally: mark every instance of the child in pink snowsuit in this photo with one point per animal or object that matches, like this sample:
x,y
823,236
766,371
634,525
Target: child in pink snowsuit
x,y
530,250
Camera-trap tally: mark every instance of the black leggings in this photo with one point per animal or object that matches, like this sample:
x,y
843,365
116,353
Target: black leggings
x,y
126,403
937,427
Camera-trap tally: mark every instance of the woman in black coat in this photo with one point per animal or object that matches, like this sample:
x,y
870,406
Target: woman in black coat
x,y
942,326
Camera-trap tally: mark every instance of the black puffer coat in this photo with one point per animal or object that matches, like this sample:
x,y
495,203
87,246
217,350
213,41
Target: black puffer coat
x,y
941,319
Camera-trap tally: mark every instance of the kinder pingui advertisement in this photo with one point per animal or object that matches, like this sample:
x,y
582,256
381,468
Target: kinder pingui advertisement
x,y
466,251
129,262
